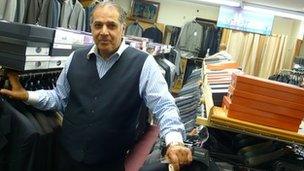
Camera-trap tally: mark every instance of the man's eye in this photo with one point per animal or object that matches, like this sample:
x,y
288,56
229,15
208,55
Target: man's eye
x,y
98,25
112,26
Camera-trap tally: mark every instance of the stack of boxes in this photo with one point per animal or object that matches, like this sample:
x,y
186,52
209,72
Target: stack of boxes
x,y
219,82
265,102
24,46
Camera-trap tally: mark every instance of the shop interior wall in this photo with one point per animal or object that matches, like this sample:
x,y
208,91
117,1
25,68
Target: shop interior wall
x,y
177,13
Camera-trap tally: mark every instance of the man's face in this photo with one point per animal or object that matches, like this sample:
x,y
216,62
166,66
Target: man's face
x,y
106,29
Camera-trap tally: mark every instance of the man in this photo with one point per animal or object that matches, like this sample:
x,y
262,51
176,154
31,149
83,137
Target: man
x,y
221,56
100,91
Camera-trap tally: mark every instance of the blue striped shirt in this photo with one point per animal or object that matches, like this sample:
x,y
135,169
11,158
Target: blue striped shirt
x,y
152,88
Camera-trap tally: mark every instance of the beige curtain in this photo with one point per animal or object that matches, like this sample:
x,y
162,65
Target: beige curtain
x,y
259,55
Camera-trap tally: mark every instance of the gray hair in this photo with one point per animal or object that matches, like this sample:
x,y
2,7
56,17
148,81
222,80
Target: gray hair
x,y
122,13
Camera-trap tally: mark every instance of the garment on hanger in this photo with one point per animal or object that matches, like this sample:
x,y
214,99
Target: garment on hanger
x,y
33,12
77,17
190,38
88,11
54,14
153,33
174,57
66,11
20,11
174,35
210,40
27,135
18,139
134,29
8,9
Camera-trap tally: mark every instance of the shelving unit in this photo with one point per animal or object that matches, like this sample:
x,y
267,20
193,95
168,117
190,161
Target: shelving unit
x,y
217,118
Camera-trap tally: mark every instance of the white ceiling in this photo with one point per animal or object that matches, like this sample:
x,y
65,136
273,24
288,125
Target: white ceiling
x,y
294,5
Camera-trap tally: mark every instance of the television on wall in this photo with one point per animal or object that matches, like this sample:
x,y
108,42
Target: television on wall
x,y
244,20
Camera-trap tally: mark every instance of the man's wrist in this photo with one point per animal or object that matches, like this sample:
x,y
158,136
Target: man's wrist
x,y
32,97
175,144
173,137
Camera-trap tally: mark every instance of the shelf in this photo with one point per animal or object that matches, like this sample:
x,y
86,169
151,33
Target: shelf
x,y
220,120
217,118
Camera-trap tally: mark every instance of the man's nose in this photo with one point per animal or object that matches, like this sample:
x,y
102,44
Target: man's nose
x,y
104,30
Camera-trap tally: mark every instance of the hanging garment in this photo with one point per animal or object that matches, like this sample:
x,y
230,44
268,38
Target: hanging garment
x,y
43,14
153,33
18,139
77,17
20,11
88,11
33,12
172,71
8,9
190,37
174,56
134,29
174,35
66,11
54,14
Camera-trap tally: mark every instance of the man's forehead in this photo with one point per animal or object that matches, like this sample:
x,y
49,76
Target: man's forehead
x,y
106,12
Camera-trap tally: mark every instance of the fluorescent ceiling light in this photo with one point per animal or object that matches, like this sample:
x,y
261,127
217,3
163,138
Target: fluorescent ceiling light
x,y
223,2
275,12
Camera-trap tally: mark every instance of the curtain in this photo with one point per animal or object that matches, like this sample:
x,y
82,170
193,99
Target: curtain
x,y
259,55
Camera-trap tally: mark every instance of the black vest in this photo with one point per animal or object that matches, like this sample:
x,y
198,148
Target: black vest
x,y
100,119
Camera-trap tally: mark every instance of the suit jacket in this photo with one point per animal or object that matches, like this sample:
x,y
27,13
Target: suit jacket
x,y
54,14
18,139
44,13
191,37
77,17
2,8
33,12
20,11
8,9
66,11
153,33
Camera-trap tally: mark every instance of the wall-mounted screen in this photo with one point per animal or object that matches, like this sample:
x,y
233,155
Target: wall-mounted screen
x,y
244,20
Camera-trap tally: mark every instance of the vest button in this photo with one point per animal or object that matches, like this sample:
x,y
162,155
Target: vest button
x,y
92,111
95,98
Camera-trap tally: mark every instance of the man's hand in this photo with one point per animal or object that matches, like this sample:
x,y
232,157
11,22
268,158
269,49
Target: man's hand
x,y
17,92
178,155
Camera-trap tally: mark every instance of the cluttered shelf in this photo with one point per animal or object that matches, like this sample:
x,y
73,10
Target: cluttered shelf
x,y
216,117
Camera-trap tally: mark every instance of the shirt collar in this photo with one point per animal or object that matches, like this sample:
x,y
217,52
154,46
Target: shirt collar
x,y
123,46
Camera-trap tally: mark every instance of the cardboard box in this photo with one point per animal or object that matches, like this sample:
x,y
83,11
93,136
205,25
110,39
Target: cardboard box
x,y
266,99
260,117
268,88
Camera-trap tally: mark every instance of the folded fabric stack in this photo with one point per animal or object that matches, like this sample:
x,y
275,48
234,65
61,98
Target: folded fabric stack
x,y
219,82
265,102
188,100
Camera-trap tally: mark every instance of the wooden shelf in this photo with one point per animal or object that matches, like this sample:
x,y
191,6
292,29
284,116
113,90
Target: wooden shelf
x,y
217,118
220,120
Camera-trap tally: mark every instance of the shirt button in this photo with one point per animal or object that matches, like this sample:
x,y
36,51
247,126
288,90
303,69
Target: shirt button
x,y
92,111
95,98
